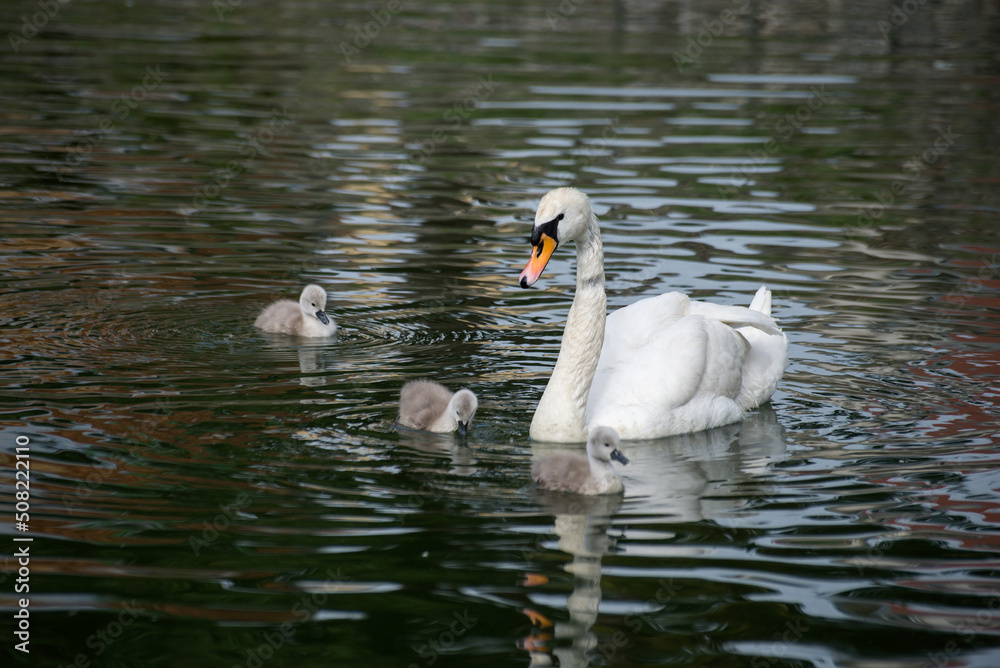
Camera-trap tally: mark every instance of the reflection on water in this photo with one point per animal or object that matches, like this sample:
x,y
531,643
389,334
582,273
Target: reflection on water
x,y
461,455
698,469
581,525
313,356
193,477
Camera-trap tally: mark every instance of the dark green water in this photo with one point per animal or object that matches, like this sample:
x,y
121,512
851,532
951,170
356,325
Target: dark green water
x,y
205,495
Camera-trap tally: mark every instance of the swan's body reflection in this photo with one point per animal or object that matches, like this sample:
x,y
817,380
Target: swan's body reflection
x,y
463,457
677,479
312,360
582,524
690,477
312,356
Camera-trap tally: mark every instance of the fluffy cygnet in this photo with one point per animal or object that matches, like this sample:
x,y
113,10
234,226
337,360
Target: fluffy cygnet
x,y
306,318
583,474
429,406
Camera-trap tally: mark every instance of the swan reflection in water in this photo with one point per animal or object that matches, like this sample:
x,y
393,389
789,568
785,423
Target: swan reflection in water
x,y
313,355
463,457
677,479
582,525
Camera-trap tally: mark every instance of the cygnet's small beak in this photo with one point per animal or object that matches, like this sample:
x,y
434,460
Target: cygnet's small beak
x,y
323,318
463,428
540,255
617,455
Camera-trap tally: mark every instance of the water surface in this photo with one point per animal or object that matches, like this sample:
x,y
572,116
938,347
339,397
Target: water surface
x,y
203,493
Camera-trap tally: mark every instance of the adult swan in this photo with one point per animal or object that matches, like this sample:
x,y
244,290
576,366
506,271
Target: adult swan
x,y
663,365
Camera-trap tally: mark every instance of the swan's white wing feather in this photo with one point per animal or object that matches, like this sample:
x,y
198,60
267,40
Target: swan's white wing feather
x,y
634,324
736,316
630,372
670,365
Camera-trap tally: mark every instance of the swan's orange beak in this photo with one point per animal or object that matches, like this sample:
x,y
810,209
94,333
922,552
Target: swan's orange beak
x,y
540,255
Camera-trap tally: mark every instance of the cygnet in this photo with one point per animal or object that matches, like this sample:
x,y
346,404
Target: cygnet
x,y
430,406
583,474
306,318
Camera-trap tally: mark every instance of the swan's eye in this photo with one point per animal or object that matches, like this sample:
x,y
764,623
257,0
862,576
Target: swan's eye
x,y
550,229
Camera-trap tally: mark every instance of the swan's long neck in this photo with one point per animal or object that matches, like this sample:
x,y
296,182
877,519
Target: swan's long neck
x,y
561,415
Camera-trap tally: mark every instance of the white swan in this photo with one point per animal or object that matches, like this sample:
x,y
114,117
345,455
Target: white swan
x,y
583,474
305,318
430,406
661,366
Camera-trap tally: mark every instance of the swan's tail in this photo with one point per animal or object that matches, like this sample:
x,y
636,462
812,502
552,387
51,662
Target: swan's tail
x,y
768,356
762,301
